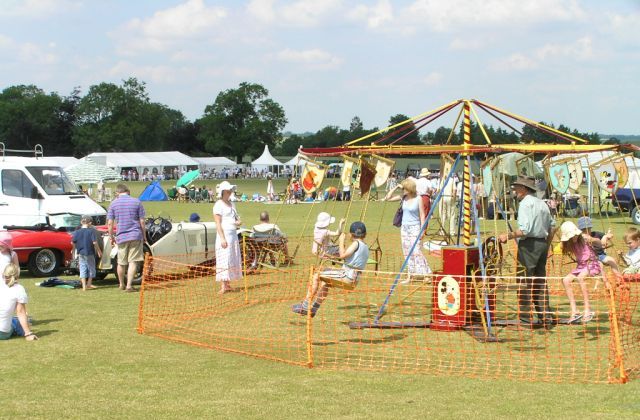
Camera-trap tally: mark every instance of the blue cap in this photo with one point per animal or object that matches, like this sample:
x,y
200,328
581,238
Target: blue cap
x,y
195,217
358,229
584,222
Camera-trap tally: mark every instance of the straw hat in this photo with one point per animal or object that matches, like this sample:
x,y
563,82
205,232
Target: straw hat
x,y
526,181
324,219
568,230
424,172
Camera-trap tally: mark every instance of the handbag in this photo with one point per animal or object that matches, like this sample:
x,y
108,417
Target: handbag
x,y
397,218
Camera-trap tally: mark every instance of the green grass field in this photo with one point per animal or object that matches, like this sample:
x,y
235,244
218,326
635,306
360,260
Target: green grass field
x,y
91,363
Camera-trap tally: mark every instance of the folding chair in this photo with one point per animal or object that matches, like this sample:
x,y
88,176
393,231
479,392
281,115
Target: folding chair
x,y
271,248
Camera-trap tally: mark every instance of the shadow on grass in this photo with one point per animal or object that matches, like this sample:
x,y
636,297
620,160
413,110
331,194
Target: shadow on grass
x,y
46,321
45,333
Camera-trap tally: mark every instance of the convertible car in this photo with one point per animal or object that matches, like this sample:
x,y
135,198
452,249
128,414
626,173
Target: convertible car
x,y
42,249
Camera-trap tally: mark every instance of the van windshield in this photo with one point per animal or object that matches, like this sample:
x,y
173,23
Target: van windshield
x,y
53,180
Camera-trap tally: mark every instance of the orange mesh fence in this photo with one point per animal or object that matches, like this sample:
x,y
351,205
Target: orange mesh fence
x,y
442,324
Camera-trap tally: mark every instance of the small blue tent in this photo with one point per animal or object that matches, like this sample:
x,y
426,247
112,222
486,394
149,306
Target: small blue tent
x,y
153,192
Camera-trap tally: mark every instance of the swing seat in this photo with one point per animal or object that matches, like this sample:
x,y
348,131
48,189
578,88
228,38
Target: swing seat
x,y
340,283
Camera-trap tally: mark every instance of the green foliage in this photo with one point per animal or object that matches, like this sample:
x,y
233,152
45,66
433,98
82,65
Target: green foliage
x,y
406,134
28,117
241,122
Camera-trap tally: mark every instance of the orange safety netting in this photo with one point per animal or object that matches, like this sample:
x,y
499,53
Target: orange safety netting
x,y
484,337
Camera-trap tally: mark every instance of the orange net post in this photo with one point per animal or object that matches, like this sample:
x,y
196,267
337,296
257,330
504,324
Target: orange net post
x,y
496,333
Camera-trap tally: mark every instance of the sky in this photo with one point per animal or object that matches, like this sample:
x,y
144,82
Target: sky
x,y
572,62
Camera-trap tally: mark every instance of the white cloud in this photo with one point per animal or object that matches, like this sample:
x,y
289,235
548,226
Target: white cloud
x,y
169,26
580,50
313,58
305,13
432,79
375,16
451,15
262,10
36,8
624,27
28,53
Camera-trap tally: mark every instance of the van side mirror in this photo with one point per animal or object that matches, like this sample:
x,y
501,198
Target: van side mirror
x,y
35,194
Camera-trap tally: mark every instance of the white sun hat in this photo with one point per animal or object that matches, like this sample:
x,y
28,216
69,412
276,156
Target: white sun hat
x,y
324,219
225,186
568,230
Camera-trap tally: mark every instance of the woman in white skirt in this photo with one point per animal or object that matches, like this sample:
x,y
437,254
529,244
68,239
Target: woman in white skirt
x,y
228,259
413,218
271,192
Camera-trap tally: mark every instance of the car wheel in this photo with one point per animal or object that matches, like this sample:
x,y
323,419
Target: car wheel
x,y
635,216
44,262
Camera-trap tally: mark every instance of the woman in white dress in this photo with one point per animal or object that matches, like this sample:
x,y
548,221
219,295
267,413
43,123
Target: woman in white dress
x,y
228,259
413,219
271,193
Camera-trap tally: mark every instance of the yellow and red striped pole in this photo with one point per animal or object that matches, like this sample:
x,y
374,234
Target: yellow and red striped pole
x,y
467,176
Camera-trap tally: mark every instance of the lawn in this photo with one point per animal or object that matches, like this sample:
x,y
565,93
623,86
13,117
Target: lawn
x,y
91,363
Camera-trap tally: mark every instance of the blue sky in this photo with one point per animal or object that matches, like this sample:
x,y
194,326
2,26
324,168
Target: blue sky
x,y
574,62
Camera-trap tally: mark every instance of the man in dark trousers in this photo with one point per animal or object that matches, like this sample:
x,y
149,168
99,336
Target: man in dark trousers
x,y
534,233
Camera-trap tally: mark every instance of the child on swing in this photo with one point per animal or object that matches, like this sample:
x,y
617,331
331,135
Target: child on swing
x,y
322,235
632,258
355,258
575,244
599,242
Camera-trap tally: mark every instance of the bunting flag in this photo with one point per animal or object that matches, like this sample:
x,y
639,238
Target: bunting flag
x,y
312,176
559,176
347,170
384,167
367,174
575,175
622,171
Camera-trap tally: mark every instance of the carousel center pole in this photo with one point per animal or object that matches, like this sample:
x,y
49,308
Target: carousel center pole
x,y
466,234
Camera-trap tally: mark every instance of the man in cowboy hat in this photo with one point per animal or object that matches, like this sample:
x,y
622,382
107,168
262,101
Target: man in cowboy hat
x,y
534,233
423,189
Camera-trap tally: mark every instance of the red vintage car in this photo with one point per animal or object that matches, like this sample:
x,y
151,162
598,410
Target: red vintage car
x,y
42,249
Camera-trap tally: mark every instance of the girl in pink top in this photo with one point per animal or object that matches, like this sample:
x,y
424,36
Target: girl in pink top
x,y
574,244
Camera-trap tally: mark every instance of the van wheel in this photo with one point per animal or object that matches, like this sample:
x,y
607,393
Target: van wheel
x,y
635,216
44,262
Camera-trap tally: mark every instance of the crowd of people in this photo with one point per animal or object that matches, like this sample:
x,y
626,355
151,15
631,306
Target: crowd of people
x,y
534,232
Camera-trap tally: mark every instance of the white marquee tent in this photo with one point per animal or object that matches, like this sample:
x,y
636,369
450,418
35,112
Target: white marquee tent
x,y
266,161
153,162
214,163
298,160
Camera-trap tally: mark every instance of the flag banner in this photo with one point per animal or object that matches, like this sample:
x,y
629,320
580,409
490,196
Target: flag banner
x,y
367,174
575,175
312,176
604,174
559,176
384,167
347,170
622,172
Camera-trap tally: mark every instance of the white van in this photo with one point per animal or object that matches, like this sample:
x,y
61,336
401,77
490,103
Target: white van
x,y
34,190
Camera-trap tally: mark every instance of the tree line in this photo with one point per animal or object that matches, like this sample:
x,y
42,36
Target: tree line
x,y
239,122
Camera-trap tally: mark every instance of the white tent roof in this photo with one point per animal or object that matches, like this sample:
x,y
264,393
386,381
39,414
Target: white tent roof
x,y
63,161
145,159
298,159
208,162
266,159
